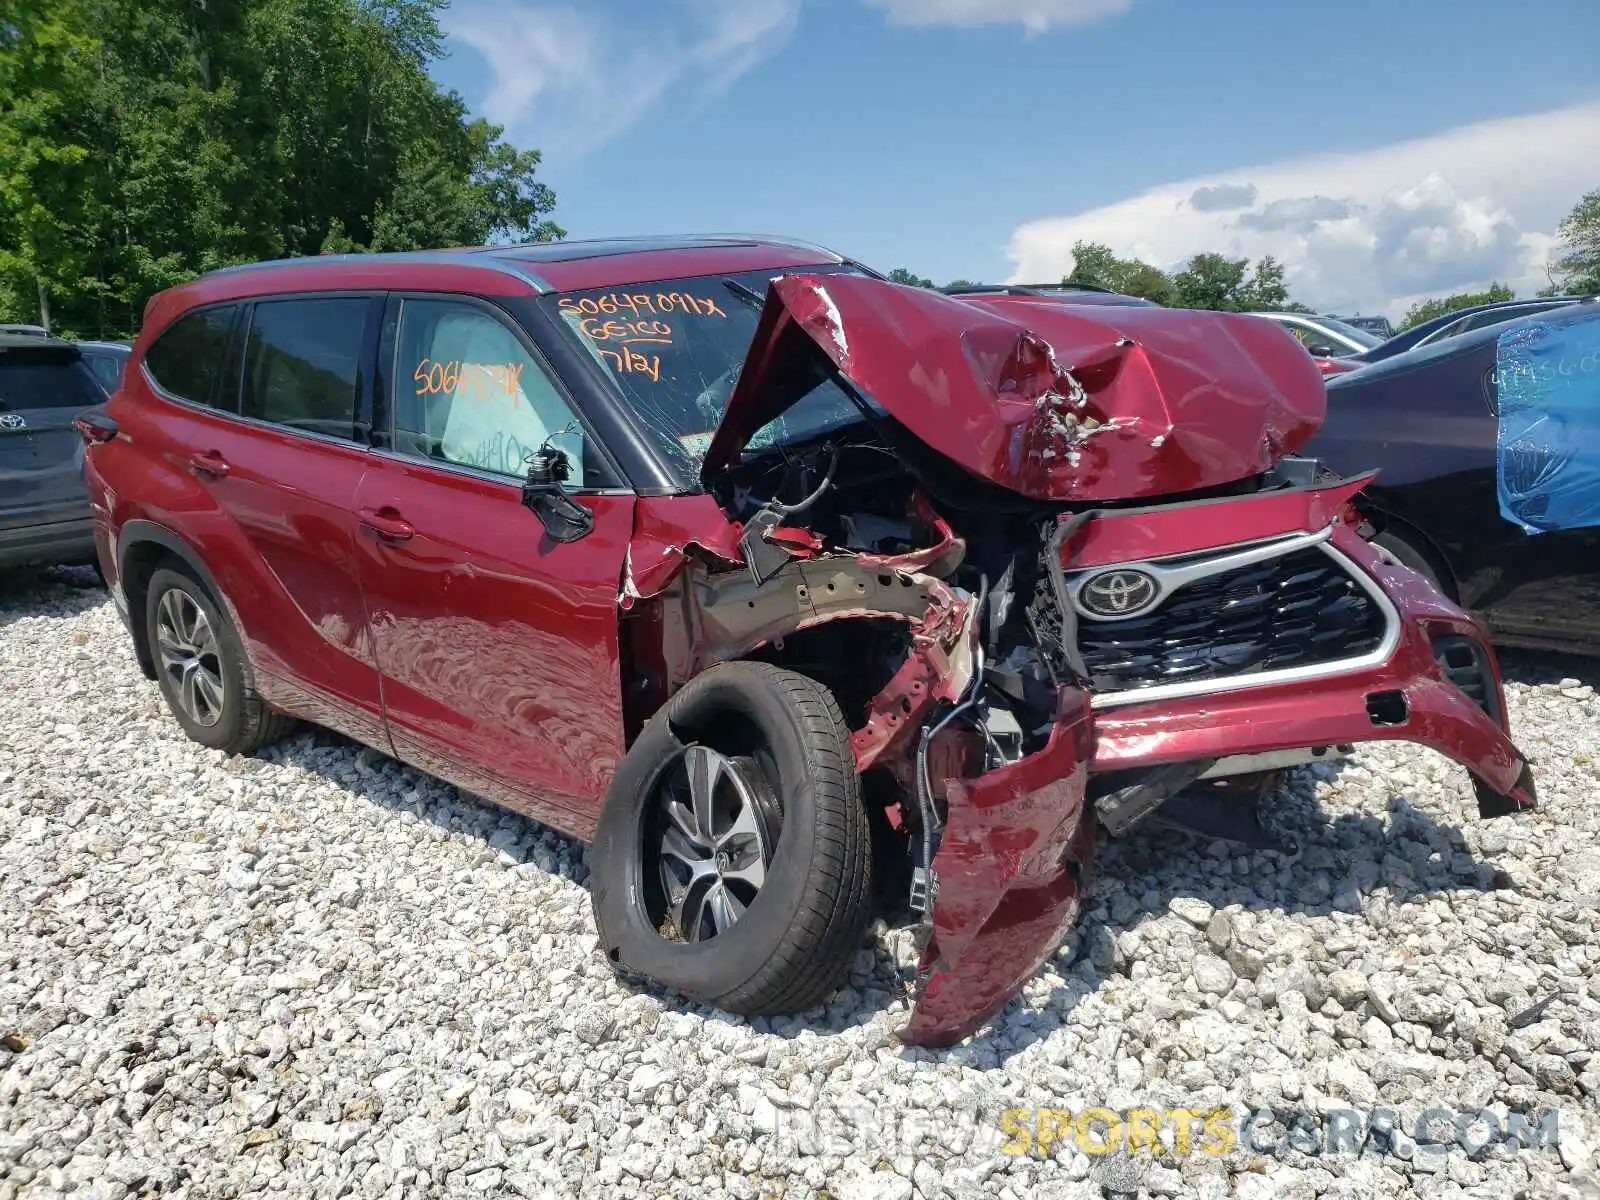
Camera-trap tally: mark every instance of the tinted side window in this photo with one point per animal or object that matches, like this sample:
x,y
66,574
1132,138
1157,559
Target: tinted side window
x,y
302,364
187,360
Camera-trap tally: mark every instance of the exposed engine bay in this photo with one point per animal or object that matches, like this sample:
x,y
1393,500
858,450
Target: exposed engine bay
x,y
943,588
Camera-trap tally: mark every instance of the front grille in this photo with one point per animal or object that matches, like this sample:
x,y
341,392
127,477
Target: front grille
x,y
1301,610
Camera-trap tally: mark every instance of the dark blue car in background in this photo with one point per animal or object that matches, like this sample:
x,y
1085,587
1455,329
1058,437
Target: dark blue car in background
x,y
1488,451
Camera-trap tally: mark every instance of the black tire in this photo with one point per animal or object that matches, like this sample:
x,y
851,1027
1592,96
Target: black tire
x,y
243,723
794,943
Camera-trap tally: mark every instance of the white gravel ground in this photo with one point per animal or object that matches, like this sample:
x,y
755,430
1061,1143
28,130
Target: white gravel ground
x,y
319,973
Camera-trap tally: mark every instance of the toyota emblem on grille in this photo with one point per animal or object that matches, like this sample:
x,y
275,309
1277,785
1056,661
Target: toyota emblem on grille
x,y
1121,593
12,421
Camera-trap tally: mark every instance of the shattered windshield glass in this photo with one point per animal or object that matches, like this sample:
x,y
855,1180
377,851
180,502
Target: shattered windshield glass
x,y
675,348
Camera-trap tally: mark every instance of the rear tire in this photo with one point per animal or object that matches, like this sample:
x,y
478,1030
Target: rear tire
x,y
202,669
776,744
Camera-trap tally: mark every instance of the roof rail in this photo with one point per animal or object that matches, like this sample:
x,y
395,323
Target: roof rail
x,y
473,257
1026,289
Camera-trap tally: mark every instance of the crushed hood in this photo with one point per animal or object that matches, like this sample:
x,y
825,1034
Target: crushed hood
x,y
1056,402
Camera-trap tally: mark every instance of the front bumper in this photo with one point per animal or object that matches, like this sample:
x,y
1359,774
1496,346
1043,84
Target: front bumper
x,y
1018,843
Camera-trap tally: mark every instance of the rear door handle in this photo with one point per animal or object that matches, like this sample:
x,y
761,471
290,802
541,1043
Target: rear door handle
x,y
209,462
387,523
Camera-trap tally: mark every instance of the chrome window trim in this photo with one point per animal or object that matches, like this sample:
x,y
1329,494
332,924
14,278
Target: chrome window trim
x,y
1064,587
351,443
513,482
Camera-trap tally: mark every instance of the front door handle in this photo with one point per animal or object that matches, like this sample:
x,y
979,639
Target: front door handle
x,y
209,462
387,523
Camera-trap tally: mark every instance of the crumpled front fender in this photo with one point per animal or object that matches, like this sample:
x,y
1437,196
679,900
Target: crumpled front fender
x,y
1011,866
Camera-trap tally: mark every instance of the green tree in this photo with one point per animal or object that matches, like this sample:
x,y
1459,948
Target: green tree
x,y
1577,271
1427,310
903,276
1097,265
1266,290
145,141
1212,281
963,283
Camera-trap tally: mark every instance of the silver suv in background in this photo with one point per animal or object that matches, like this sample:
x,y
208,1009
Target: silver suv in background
x,y
1324,337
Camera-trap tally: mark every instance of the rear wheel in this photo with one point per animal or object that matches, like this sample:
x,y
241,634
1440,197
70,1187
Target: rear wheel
x,y
201,667
732,857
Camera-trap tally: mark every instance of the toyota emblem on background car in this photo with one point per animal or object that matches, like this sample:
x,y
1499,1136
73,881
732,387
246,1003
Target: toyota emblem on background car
x,y
12,421
1123,593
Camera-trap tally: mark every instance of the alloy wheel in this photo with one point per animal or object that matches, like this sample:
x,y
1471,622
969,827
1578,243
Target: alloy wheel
x,y
190,656
718,832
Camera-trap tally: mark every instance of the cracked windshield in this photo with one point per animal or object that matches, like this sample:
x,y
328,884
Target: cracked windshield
x,y
675,348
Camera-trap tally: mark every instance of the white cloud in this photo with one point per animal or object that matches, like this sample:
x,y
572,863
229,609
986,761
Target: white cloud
x,y
1036,16
571,78
1372,231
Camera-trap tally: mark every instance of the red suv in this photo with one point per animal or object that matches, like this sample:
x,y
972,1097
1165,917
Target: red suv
x,y
795,591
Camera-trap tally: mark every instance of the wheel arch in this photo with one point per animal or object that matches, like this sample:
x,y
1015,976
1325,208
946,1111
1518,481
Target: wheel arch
x,y
143,547
1385,521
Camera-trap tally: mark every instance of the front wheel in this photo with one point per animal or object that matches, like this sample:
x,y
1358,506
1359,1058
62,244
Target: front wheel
x,y
732,857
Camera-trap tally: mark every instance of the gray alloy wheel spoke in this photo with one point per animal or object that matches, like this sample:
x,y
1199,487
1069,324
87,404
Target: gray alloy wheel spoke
x,y
705,767
170,624
683,822
726,908
689,913
208,688
716,840
190,656
680,857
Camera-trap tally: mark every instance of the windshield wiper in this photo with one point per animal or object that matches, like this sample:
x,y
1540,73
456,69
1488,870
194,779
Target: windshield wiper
x,y
748,295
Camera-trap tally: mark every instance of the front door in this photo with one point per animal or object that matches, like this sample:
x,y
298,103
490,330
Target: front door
x,y
498,646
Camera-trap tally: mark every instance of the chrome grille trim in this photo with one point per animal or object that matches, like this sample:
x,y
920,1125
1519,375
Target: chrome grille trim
x,y
1188,569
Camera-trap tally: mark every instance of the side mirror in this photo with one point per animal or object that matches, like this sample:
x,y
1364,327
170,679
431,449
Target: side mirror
x,y
1319,350
563,518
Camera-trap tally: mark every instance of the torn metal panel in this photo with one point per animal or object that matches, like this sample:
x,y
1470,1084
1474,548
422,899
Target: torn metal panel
x,y
664,530
1053,402
1131,534
1011,871
938,669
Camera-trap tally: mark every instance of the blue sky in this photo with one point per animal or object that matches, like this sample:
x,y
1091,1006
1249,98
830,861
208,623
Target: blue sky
x,y
978,138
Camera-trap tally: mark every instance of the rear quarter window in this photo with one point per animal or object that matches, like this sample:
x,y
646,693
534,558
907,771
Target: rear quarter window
x,y
188,360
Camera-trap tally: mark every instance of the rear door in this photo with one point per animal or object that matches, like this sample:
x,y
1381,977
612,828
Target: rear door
x,y
498,646
43,385
271,469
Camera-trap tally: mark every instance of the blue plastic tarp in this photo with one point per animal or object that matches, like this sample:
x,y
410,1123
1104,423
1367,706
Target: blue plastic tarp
x,y
1548,460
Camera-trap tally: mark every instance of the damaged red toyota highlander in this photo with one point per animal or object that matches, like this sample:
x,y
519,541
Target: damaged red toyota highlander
x,y
797,592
